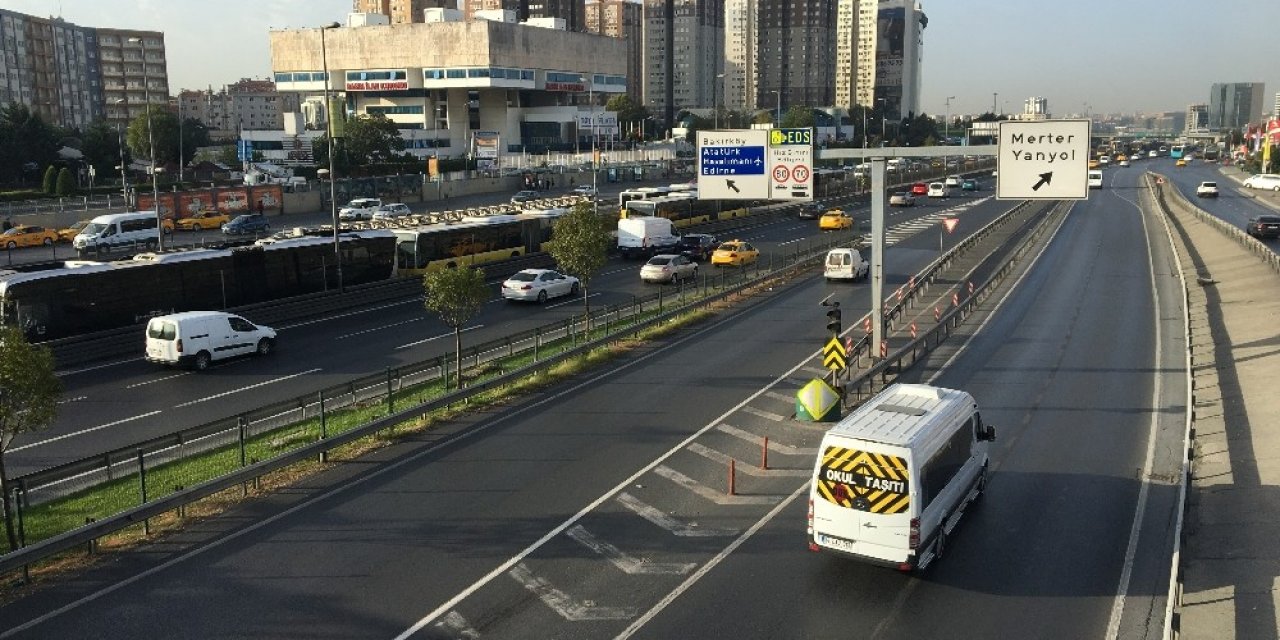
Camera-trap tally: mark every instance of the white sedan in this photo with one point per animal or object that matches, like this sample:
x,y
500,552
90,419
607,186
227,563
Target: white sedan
x,y
539,285
585,190
669,268
391,211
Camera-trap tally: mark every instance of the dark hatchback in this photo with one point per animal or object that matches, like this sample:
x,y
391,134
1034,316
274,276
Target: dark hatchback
x,y
811,211
247,223
1264,227
697,246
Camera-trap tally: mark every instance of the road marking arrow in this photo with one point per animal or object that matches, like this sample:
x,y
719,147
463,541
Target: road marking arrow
x,y
629,565
730,184
559,601
1045,178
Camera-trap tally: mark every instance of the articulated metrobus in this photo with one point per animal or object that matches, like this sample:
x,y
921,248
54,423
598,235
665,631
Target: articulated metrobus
x,y
1176,151
685,209
473,241
641,193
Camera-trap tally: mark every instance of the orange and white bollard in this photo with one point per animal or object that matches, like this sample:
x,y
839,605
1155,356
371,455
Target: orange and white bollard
x,y
733,472
764,454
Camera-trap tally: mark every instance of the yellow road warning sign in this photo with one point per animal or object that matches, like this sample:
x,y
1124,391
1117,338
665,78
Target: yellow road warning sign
x,y
817,402
834,355
864,481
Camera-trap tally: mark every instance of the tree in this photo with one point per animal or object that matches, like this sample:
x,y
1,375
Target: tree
x,y
194,135
797,116
29,393
27,143
50,181
456,295
371,139
166,136
693,124
762,117
630,113
101,149
66,185
580,245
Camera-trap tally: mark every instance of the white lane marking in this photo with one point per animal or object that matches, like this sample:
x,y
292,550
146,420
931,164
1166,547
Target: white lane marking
x,y
84,431
456,623
711,564
414,299
787,399
629,565
786,449
747,468
569,301
147,382
1157,388
385,326
767,415
443,335
707,493
673,526
97,367
564,604
243,389
75,399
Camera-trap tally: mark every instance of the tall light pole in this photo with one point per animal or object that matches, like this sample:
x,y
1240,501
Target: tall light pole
x,y
124,180
995,111
595,164
884,106
333,176
151,142
181,158
778,93
946,135
715,97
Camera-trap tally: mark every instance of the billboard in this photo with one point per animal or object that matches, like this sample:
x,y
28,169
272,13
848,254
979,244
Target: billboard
x,y
485,144
891,29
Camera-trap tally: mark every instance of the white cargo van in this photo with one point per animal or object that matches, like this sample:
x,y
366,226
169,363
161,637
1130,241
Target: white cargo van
x,y
119,231
1095,179
843,263
893,478
198,338
646,236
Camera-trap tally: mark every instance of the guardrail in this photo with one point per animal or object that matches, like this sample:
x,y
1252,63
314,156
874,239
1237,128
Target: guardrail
x,y
140,468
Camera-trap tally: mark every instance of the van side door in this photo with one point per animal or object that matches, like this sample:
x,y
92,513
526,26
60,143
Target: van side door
x,y
240,336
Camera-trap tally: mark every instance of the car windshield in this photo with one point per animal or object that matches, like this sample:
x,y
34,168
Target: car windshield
x,y
1269,219
728,246
524,276
1211,185
94,227
659,260
242,219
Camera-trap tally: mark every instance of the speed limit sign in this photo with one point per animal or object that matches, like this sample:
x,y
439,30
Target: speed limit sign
x,y
781,173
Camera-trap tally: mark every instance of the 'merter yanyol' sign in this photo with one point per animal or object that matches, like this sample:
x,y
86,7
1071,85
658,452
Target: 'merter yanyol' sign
x,y
1043,160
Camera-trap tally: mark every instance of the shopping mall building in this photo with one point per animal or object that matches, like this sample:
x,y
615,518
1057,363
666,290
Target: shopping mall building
x,y
483,87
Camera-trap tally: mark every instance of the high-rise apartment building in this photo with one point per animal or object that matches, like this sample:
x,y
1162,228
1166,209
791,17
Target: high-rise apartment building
x,y
740,42
796,55
855,40
573,12
1197,118
250,105
400,11
620,19
1275,109
1233,105
73,75
682,55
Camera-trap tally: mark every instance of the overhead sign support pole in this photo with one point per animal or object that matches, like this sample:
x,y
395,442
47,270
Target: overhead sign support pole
x,y
877,254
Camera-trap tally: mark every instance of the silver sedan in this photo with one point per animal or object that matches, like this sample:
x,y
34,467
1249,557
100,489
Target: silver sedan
x,y
669,268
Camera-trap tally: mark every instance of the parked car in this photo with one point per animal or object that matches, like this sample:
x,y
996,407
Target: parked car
x,y
25,235
1264,227
247,224
697,246
811,211
539,285
1263,181
835,219
392,211
734,253
938,189
525,196
360,209
1207,190
902,199
668,267
202,220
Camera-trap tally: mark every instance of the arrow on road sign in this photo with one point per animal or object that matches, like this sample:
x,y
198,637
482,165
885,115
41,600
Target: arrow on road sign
x,y
834,355
733,187
1045,178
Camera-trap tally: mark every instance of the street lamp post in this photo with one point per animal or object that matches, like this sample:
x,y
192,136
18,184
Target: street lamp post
x,y
778,93
333,176
715,97
884,106
946,134
124,180
181,155
151,142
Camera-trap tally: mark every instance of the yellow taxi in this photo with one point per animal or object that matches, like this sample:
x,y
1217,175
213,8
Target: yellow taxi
x,y
835,219
25,235
734,253
203,220
68,234
1094,164
1182,162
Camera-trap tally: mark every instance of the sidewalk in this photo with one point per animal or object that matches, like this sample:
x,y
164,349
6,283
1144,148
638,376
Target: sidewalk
x,y
1229,556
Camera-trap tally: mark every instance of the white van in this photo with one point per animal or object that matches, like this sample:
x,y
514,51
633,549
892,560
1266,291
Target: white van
x,y
646,236
1095,179
119,231
197,338
893,478
843,263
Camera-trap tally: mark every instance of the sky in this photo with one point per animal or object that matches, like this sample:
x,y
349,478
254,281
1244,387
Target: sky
x,y
1111,55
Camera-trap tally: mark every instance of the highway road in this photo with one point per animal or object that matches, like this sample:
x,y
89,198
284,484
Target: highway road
x,y
597,509
1235,204
121,403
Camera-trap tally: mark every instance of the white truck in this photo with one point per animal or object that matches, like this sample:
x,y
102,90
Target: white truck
x,y
645,236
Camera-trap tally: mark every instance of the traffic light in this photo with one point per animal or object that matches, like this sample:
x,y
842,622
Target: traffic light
x,y
833,319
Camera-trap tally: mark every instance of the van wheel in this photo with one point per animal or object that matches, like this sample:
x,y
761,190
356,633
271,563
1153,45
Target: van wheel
x,y
265,346
202,361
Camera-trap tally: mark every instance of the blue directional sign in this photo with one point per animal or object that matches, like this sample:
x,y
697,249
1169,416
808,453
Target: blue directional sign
x,y
732,165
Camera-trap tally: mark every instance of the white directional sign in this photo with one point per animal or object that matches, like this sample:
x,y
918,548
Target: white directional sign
x,y
732,165
755,164
1043,160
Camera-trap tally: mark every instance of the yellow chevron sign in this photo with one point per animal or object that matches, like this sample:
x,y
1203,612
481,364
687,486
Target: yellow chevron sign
x,y
864,481
834,356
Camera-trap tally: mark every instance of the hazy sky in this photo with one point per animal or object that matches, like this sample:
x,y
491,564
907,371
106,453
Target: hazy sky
x,y
1114,55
